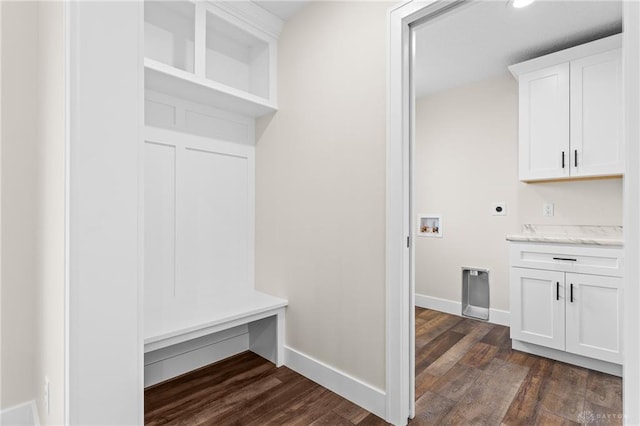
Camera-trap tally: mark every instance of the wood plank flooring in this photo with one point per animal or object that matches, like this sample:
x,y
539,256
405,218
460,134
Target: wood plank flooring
x,y
248,390
466,374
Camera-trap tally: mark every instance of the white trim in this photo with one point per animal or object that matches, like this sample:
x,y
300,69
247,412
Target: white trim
x,y
569,358
567,55
631,203
66,26
366,396
400,351
106,204
141,211
496,316
25,414
251,14
1,399
397,280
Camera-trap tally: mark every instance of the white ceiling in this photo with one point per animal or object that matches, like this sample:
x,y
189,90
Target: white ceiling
x,y
283,9
479,40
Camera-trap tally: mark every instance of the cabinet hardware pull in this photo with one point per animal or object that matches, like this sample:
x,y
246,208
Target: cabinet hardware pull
x,y
563,159
565,258
575,158
571,293
557,290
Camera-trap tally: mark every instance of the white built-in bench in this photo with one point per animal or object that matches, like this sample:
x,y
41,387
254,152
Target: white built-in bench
x,y
199,185
189,333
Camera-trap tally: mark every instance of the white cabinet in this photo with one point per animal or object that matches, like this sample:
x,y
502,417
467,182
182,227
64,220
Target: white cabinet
x,y
537,312
558,302
596,115
544,123
593,316
570,112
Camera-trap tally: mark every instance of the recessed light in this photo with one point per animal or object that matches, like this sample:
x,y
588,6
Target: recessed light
x,y
518,4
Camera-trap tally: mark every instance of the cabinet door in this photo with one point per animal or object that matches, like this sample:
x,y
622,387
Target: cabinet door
x,y
544,123
537,307
594,316
596,115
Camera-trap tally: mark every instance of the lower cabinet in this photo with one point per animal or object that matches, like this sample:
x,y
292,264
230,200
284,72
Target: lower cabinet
x,y
577,313
538,307
573,312
594,316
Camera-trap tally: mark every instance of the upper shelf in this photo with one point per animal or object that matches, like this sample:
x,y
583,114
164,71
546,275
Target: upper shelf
x,y
202,52
176,82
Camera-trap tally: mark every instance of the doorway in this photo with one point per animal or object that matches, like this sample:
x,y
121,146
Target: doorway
x,y
400,258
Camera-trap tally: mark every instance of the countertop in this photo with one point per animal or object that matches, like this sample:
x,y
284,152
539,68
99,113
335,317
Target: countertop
x,y
570,234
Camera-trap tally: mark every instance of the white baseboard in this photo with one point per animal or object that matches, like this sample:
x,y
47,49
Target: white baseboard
x,y
366,396
25,414
496,316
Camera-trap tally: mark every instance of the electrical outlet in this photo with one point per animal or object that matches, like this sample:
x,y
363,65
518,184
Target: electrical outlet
x,y
47,395
499,209
547,209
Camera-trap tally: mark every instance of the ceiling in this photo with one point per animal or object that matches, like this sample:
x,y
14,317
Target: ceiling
x,y
479,40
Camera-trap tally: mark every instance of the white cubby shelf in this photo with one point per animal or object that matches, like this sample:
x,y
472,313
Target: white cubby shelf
x,y
202,53
164,78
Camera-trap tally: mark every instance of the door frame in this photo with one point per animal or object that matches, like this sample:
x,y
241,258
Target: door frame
x,y
400,291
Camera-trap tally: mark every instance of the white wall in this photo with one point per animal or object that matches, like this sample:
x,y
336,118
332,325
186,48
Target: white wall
x,y
50,193
18,204
466,158
582,202
33,205
320,179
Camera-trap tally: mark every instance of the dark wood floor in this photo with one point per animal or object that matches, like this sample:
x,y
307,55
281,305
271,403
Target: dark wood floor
x,y
247,390
467,374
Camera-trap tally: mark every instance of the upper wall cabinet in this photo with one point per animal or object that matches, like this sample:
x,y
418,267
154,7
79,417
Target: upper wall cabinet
x,y
211,53
570,112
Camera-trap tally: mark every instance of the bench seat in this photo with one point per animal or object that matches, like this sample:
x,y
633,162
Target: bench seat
x,y
187,319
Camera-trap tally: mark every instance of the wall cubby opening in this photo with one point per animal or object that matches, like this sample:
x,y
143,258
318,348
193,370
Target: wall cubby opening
x,y
169,31
236,58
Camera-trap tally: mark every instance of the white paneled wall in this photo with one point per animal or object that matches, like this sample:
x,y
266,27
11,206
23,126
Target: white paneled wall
x,y
198,219
172,113
199,187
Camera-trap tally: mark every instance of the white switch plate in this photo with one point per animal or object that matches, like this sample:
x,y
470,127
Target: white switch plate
x,y
547,209
499,208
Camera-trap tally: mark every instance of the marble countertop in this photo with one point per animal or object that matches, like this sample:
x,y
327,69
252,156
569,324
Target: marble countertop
x,y
570,234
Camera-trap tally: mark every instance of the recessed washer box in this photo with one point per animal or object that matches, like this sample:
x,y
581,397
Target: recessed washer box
x,y
475,293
